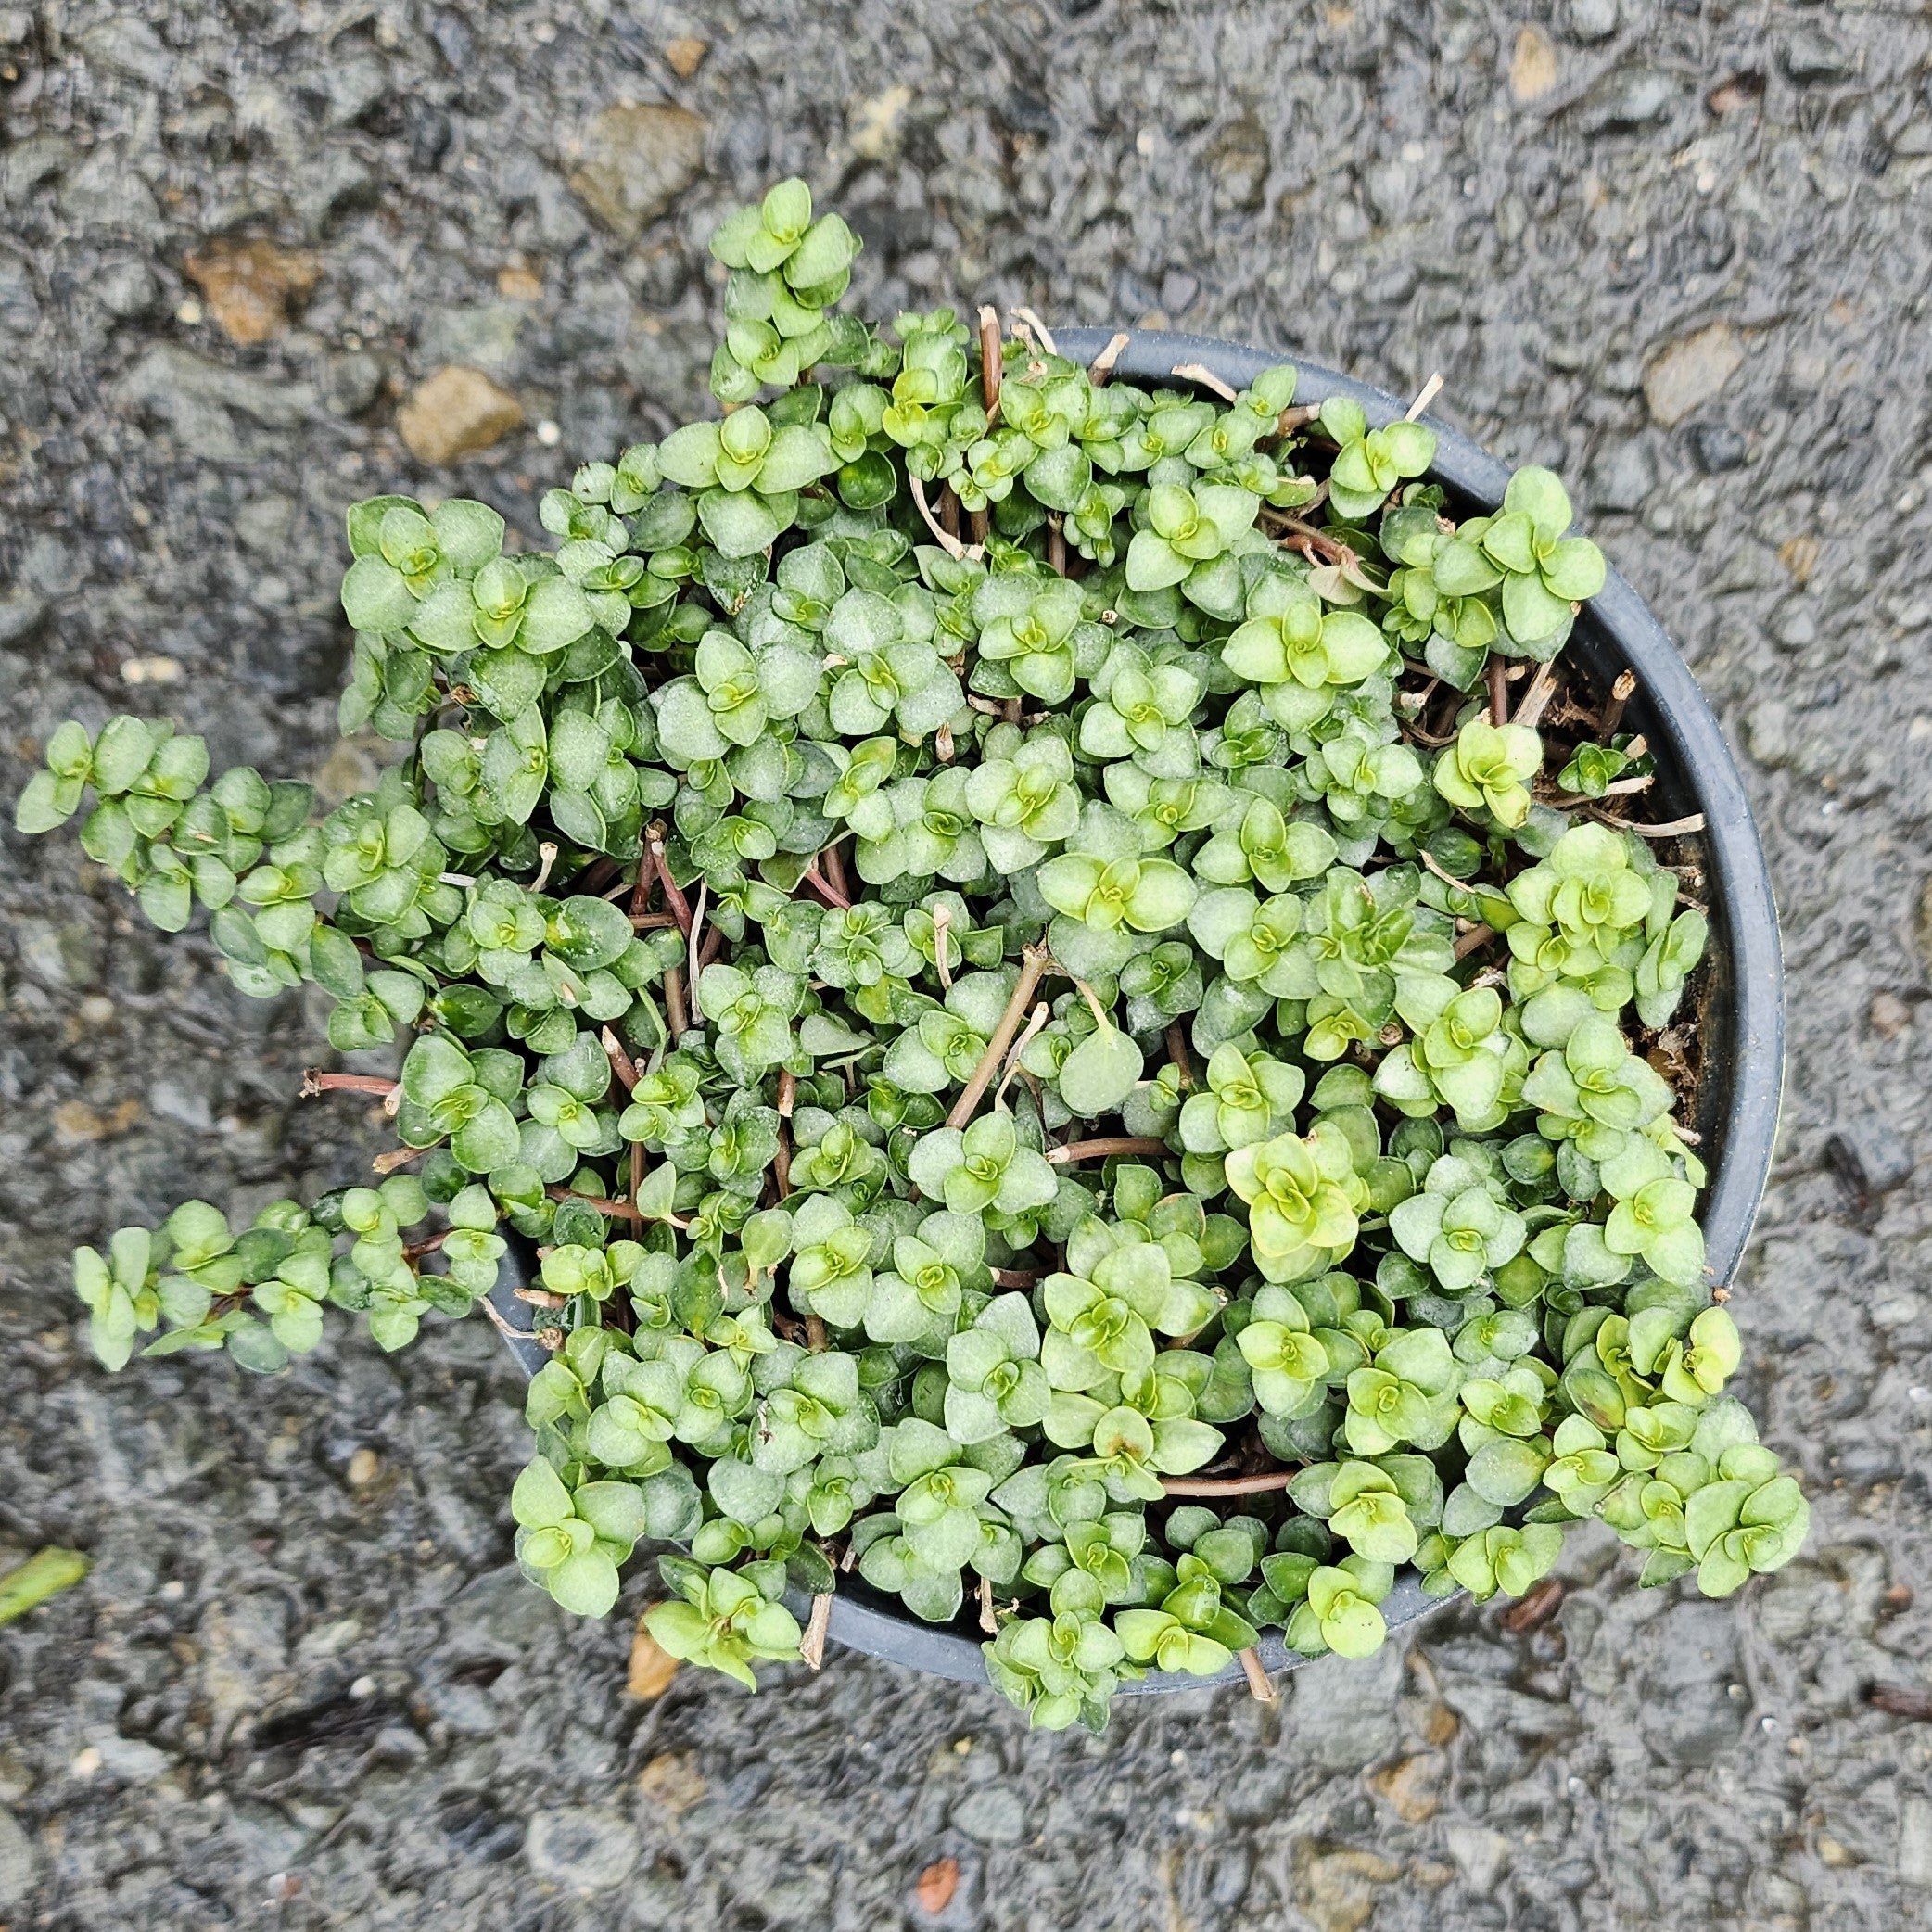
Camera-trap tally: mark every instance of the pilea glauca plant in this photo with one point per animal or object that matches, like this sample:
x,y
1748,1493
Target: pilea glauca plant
x,y
1053,974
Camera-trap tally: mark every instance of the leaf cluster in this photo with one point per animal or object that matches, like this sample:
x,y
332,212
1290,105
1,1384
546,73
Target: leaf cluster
x,y
995,1041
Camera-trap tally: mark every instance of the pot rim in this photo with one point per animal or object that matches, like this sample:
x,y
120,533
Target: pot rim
x,y
1696,770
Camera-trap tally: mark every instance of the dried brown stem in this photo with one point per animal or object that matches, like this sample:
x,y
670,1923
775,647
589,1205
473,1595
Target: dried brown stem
x,y
399,1157
1621,692
621,1064
811,1645
1037,1019
1674,827
1056,546
503,1328
540,1297
612,1210
1177,1053
1106,1146
1474,940
695,930
418,1250
834,861
314,1081
1100,369
988,1620
992,358
1042,332
1621,788
1259,1687
1429,391
1536,700
1228,1485
676,1016
1034,963
947,541
825,888
674,899
1199,372
1498,692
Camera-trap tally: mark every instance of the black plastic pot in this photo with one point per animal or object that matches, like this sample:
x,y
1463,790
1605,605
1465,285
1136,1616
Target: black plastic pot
x,y
1741,1007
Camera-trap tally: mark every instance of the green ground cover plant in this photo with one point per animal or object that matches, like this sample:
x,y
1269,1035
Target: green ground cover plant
x,y
1053,974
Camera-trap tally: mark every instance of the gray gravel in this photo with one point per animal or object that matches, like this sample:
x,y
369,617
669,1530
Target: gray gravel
x,y
1680,253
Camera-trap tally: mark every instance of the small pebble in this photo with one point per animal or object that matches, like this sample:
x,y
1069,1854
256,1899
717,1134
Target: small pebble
x,y
1890,1015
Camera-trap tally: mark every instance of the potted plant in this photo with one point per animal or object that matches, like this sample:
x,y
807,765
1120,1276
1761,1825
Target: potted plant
x,y
1040,980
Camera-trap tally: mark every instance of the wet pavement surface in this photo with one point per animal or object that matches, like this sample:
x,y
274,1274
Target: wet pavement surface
x,y
1678,252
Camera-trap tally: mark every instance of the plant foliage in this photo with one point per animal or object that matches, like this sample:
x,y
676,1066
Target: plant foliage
x,y
1035,1078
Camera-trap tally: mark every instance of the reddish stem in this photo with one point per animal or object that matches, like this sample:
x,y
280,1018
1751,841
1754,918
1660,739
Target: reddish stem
x,y
314,1081
673,893
1177,1053
616,1210
1108,1144
834,861
992,359
1228,1485
824,889
622,1066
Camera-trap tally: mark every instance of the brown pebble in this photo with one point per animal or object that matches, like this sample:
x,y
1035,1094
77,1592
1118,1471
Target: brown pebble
x,y
1890,1015
1537,1605
933,1892
1533,66
651,1666
672,1781
684,54
456,412
1411,1787
75,1120
251,285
